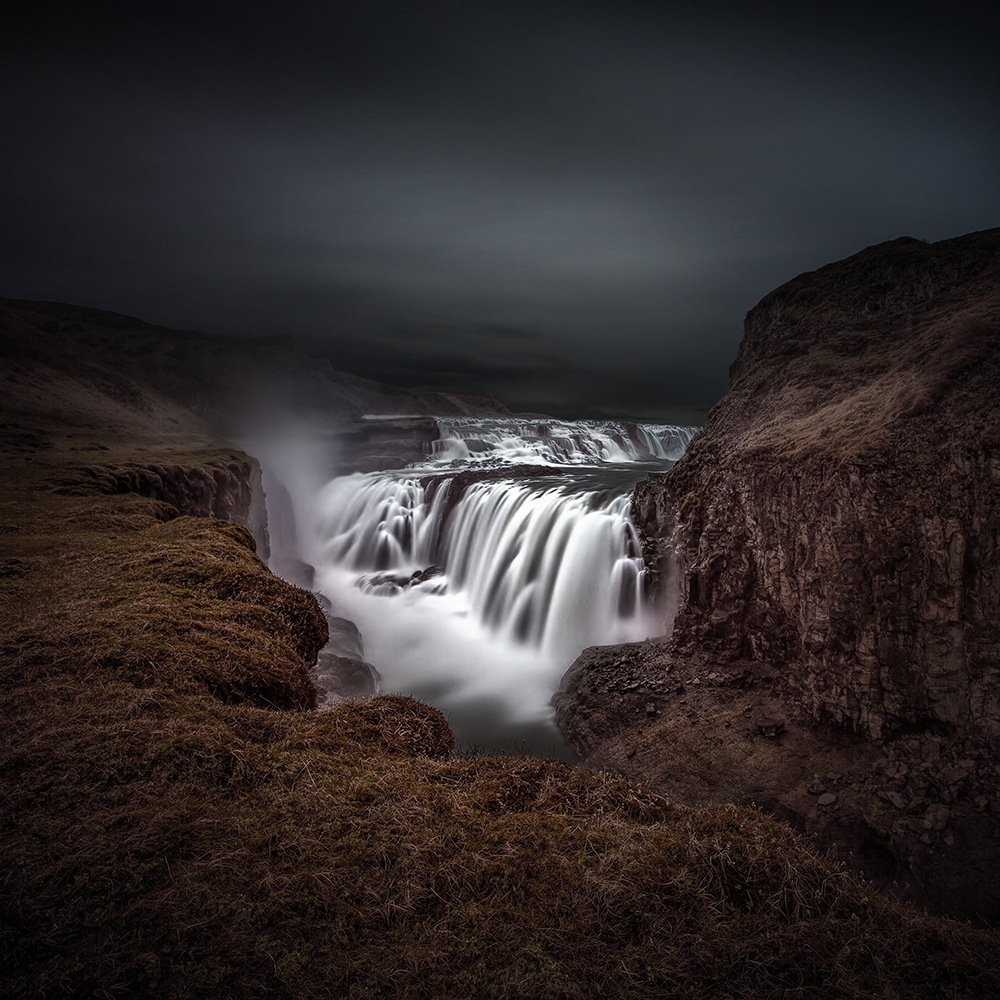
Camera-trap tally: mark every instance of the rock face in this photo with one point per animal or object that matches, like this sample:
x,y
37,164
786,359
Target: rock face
x,y
342,673
386,442
229,489
840,514
835,529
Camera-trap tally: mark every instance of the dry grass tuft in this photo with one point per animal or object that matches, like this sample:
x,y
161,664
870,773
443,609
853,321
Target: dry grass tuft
x,y
151,597
839,362
829,404
390,724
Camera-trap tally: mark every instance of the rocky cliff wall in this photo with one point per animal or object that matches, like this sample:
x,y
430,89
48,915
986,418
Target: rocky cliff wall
x,y
838,519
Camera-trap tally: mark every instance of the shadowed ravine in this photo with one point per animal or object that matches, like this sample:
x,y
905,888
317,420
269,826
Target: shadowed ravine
x,y
476,578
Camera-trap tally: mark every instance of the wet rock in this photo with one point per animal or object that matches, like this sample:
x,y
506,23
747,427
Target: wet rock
x,y
344,678
341,672
387,583
345,638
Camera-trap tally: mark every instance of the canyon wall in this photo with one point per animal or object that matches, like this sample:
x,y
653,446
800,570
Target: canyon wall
x,y
838,519
227,487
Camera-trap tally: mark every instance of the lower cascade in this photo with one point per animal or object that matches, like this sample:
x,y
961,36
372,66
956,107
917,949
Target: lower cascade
x,y
478,576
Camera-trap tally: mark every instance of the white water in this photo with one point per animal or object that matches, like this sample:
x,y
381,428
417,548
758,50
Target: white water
x,y
491,440
516,577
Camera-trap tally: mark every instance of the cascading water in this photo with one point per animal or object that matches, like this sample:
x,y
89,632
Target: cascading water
x,y
560,442
475,590
553,571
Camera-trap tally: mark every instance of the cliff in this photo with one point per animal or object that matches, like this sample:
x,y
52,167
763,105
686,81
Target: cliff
x,y
227,487
829,552
69,365
838,517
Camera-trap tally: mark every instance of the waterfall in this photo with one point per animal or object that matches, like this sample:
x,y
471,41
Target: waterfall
x,y
379,522
553,570
560,442
475,583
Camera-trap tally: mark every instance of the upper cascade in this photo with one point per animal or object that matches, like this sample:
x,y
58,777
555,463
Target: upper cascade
x,y
547,441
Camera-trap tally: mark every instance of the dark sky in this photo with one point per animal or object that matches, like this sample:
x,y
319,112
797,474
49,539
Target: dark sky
x,y
572,204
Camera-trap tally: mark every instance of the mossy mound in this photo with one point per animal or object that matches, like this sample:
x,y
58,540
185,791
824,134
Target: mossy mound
x,y
124,587
389,724
168,845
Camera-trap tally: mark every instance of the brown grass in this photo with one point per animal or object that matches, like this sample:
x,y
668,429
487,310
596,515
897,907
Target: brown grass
x,y
145,595
168,832
828,402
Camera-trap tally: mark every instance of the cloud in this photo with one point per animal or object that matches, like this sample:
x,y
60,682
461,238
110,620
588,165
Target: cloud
x,y
397,183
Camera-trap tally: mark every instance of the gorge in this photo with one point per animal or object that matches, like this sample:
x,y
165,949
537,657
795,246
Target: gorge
x,y
478,574
802,618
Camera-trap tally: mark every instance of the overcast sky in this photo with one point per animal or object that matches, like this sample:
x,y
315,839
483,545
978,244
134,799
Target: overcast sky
x,y
572,204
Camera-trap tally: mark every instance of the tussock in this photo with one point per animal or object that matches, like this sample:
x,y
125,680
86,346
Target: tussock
x,y
146,595
818,377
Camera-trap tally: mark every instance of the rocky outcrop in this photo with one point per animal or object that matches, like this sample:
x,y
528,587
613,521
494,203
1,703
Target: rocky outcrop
x,y
915,814
342,673
835,529
228,488
839,516
385,442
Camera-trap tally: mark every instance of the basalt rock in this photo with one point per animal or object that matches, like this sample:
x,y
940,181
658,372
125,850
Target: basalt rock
x,y
387,583
833,537
345,636
341,672
341,678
